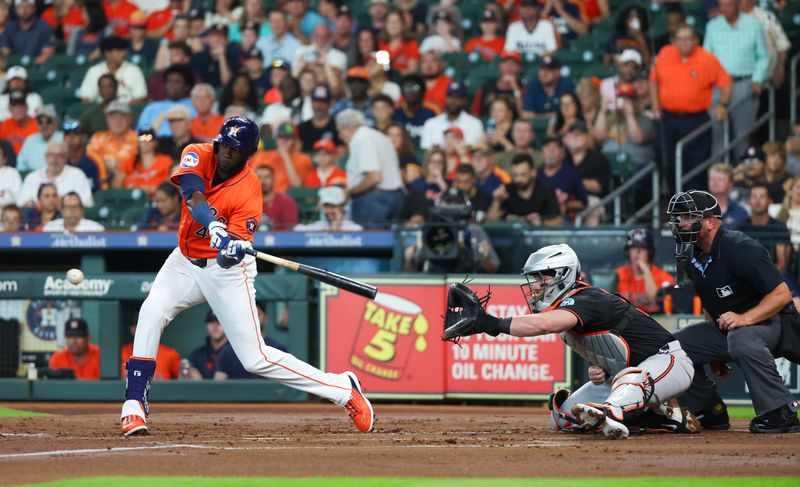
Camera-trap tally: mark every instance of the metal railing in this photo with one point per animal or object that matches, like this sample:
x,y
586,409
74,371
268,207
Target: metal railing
x,y
616,196
680,178
793,88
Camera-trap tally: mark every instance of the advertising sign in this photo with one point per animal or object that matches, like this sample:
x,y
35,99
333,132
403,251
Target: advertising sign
x,y
393,343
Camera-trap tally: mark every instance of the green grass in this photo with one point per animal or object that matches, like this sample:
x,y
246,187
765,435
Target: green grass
x,y
741,413
8,412
424,482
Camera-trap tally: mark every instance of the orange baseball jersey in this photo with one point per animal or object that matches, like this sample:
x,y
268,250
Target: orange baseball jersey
x,y
88,369
168,362
236,202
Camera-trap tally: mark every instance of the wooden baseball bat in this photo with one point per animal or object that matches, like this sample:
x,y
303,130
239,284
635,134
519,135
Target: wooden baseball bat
x,y
321,275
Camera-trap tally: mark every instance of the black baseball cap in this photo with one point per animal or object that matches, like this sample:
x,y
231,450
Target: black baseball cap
x,y
254,53
753,154
71,126
76,327
489,15
550,62
279,63
113,43
210,316
320,93
578,126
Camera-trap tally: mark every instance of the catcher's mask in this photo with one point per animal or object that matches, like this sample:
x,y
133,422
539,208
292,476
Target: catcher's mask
x,y
550,272
686,211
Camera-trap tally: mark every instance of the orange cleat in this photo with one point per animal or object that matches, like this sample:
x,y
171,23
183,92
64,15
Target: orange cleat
x,y
133,419
134,425
358,407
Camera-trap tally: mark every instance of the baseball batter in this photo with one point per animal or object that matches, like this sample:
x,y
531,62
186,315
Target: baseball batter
x,y
222,212
604,329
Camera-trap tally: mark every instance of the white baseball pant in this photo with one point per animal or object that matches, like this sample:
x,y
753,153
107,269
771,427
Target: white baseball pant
x,y
231,294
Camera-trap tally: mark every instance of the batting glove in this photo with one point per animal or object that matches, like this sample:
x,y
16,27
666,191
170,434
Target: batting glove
x,y
236,249
218,235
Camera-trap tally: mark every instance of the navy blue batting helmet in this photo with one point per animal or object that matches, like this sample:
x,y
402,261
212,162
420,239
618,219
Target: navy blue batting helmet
x,y
239,133
643,239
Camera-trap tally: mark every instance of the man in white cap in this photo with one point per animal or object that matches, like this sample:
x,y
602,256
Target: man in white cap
x,y
17,80
331,202
628,65
31,156
179,119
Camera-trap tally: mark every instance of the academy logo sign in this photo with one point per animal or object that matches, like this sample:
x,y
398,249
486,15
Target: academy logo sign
x,y
89,288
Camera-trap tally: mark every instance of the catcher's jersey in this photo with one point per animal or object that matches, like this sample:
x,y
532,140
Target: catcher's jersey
x,y
598,310
236,202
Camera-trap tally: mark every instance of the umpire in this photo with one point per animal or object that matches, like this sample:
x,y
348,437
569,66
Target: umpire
x,y
750,317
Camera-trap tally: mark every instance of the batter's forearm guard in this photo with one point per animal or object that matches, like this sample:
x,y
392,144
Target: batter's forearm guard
x,y
140,375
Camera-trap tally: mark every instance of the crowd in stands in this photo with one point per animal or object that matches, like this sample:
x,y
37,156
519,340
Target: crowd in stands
x,y
386,101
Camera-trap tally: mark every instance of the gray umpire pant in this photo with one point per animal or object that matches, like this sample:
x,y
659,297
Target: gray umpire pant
x,y
742,112
750,347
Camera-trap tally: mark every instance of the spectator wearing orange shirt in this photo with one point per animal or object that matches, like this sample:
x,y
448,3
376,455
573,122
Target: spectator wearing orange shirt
x,y
148,170
159,23
115,147
490,43
681,83
118,13
168,360
639,280
327,173
205,126
80,355
289,165
20,125
69,15
397,41
431,67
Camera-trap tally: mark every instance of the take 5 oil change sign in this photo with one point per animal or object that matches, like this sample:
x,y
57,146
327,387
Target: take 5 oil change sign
x,y
392,342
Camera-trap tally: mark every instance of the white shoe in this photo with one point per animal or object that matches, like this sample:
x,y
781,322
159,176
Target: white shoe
x,y
594,416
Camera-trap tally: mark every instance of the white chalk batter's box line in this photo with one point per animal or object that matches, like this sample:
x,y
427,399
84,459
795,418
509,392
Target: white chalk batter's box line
x,y
105,451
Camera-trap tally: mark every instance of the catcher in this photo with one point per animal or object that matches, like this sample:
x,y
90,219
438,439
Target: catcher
x,y
603,328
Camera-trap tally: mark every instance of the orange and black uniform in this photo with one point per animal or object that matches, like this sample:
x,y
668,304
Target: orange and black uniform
x,y
235,202
598,310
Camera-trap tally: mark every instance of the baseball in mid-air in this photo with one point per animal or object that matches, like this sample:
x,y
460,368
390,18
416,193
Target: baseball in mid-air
x,y
75,276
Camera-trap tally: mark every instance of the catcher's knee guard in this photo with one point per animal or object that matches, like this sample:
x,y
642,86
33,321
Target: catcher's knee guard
x,y
631,390
560,419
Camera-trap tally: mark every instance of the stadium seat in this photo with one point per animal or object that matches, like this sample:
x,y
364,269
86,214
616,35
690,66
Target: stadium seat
x,y
307,200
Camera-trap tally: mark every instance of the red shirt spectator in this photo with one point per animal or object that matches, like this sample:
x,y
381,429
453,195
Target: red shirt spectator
x,y
80,355
118,13
71,20
327,173
280,210
401,53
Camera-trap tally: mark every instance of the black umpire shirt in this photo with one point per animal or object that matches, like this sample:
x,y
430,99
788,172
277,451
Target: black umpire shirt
x,y
599,310
734,276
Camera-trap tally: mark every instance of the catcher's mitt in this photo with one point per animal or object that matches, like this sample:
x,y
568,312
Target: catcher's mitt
x,y
466,314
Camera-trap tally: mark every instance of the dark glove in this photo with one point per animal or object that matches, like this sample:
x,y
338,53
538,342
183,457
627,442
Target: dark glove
x,y
466,315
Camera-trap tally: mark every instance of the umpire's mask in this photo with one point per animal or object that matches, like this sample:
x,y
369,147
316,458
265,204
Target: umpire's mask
x,y
686,210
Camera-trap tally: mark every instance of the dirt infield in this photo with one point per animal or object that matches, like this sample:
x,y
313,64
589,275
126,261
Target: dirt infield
x,y
318,440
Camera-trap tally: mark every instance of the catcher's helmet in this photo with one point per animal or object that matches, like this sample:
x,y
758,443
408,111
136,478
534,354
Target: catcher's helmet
x,y
641,238
690,207
238,133
558,262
